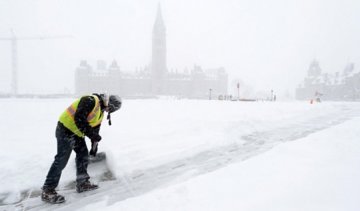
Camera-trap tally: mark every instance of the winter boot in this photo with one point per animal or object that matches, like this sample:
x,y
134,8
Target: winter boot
x,y
86,186
51,196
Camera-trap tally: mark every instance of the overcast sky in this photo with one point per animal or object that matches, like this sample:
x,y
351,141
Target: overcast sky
x,y
268,44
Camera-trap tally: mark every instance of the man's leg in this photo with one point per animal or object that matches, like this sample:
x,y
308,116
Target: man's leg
x,y
82,161
65,142
64,148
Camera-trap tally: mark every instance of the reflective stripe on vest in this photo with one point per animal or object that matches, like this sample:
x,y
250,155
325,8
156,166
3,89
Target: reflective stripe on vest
x,y
94,118
72,109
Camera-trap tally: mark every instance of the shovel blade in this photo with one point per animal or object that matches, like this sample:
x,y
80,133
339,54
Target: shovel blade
x,y
100,157
98,168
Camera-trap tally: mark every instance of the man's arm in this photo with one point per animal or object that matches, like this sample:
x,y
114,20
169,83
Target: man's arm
x,y
85,106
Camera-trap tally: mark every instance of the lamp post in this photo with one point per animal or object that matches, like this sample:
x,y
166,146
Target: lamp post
x,y
238,88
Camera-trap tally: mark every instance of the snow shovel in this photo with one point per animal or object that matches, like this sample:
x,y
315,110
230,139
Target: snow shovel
x,y
98,166
94,156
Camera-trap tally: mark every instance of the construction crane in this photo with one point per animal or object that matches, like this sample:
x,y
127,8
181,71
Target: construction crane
x,y
14,58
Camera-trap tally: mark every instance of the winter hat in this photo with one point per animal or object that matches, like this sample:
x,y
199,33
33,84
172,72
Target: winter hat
x,y
114,104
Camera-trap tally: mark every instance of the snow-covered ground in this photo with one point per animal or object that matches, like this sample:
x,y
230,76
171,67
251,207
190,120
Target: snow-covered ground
x,y
194,155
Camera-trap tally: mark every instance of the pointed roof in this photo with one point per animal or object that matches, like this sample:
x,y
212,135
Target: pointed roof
x,y
159,22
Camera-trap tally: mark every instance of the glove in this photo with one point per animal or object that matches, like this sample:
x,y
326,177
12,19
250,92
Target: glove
x,y
94,148
96,138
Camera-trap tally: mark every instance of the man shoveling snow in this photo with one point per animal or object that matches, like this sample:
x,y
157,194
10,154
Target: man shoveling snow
x,y
82,118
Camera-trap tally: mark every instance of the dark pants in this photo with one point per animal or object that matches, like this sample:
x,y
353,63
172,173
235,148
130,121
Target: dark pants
x,y
66,142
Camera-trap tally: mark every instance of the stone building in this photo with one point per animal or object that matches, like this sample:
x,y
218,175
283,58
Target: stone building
x,y
152,80
341,86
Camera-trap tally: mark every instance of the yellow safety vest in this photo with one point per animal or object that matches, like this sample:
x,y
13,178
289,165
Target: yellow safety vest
x,y
94,118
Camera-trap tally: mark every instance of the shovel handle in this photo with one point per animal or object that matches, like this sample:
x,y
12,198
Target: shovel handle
x,y
94,146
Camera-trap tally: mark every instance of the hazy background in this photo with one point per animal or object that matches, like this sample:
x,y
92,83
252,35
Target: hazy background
x,y
268,44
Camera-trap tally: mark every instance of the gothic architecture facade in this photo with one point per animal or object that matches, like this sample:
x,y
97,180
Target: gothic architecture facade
x,y
153,80
341,86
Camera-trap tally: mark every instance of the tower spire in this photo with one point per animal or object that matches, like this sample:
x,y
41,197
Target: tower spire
x,y
158,66
159,22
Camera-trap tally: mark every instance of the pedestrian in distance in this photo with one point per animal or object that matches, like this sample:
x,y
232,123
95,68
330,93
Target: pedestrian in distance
x,y
81,119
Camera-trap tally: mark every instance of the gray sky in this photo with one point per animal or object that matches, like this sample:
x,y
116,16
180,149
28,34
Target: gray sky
x,y
268,44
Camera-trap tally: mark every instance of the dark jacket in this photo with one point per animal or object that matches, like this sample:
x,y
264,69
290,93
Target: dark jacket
x,y
86,105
